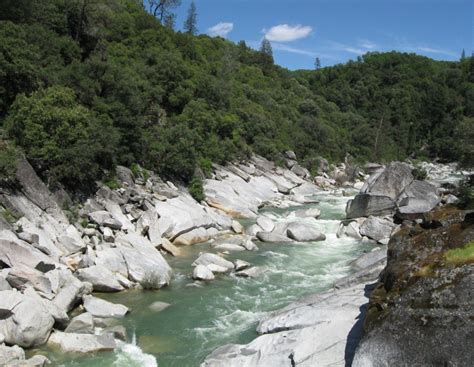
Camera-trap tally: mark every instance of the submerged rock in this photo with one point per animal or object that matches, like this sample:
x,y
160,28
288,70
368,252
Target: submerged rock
x,y
159,306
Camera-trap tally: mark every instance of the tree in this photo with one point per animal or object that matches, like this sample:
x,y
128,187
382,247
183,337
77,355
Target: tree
x,y
190,25
170,21
161,9
266,48
266,56
463,54
62,138
317,63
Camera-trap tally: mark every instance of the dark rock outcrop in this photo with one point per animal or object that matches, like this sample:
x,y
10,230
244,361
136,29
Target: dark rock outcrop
x,y
421,311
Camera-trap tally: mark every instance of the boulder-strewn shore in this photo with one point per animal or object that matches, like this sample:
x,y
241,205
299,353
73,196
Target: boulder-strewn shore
x,y
325,329
53,259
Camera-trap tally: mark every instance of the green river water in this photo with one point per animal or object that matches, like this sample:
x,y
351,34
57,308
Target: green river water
x,y
203,317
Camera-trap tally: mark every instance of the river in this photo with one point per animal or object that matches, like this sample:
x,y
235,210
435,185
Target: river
x,y
203,317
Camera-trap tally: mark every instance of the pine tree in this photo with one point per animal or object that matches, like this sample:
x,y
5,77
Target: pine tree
x,y
266,48
266,59
170,21
463,54
190,25
317,63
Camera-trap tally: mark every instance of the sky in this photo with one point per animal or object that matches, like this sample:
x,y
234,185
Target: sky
x,y
339,30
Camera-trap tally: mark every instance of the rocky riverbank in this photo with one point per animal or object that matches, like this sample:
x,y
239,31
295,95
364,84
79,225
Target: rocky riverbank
x,y
52,259
325,329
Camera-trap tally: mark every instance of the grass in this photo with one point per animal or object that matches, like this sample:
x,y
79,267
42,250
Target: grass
x,y
461,256
8,215
151,281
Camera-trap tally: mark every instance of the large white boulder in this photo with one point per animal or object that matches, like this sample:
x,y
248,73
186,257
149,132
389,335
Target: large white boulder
x,y
101,278
208,259
202,272
303,232
101,308
24,320
82,343
377,228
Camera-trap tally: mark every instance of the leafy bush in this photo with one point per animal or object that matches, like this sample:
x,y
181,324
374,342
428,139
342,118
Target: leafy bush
x,y
9,156
419,173
60,137
196,189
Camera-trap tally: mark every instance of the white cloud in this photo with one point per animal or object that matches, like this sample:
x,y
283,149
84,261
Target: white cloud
x,y
287,33
369,45
354,50
432,50
281,47
221,29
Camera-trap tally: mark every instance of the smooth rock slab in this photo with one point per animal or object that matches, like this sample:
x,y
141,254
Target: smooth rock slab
x,y
82,343
208,258
81,324
266,224
101,278
304,233
229,247
202,272
101,308
252,272
376,228
24,320
272,237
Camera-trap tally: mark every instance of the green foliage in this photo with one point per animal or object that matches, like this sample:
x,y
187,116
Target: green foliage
x,y
466,193
196,189
9,156
461,256
8,215
60,136
419,173
139,92
151,280
112,183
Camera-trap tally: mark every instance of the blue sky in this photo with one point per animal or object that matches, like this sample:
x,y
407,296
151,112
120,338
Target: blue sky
x,y
339,30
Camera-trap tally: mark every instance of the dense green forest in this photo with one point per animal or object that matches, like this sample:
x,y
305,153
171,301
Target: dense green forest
x,y
88,84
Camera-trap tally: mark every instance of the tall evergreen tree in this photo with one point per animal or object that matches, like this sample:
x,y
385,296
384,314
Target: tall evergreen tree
x,y
266,59
317,63
190,25
170,21
463,54
266,48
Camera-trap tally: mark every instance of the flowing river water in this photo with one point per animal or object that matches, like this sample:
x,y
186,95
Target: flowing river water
x,y
203,317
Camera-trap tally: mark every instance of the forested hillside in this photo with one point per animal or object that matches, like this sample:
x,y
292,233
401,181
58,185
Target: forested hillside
x,y
85,85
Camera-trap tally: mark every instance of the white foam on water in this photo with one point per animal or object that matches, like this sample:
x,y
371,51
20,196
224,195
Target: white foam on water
x,y
130,355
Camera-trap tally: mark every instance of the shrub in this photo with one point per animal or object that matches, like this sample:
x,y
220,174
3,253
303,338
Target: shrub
x,y
151,280
196,189
419,173
61,137
9,156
